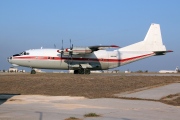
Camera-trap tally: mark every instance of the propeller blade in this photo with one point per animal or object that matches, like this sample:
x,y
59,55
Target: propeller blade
x,y
70,55
62,52
70,43
62,46
68,62
72,47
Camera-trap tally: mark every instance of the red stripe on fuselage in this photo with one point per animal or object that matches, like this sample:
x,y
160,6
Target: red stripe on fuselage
x,y
81,59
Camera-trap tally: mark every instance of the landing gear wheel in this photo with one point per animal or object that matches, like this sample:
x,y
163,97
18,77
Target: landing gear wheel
x,y
81,71
87,71
33,72
76,72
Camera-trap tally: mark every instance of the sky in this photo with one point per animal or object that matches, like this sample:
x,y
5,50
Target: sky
x,y
31,24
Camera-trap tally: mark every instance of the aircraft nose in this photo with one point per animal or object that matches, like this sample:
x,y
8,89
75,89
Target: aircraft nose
x,y
9,58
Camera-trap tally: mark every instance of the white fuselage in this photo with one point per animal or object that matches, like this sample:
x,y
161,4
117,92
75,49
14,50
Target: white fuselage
x,y
170,71
98,60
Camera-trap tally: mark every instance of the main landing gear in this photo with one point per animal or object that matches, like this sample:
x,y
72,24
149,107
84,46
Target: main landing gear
x,y
82,71
33,71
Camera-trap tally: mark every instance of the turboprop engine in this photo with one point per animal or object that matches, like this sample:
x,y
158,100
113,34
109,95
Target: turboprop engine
x,y
76,51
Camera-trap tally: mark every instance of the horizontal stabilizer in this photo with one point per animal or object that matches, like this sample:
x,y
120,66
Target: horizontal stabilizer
x,y
162,52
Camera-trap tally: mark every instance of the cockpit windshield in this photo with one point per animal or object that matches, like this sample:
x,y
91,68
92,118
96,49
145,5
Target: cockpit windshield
x,y
22,53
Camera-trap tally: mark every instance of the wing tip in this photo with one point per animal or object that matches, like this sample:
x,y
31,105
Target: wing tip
x,y
169,51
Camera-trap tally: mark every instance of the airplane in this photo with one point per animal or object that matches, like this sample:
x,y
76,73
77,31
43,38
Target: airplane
x,y
85,59
170,71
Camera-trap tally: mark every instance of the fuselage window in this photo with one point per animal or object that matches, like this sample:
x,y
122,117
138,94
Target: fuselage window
x,y
48,57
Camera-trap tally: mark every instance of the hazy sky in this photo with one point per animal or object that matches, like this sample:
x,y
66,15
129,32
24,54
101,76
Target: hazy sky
x,y
28,24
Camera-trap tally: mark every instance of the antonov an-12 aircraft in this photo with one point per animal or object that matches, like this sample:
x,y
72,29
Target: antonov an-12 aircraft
x,y
84,59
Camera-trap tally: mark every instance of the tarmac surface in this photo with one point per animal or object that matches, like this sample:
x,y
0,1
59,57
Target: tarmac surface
x,y
154,93
60,108
38,107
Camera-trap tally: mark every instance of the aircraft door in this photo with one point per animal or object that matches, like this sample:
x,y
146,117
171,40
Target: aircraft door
x,y
104,60
113,59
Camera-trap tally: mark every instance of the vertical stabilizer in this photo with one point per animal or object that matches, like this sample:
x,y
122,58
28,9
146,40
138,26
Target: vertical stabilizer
x,y
153,39
177,69
151,42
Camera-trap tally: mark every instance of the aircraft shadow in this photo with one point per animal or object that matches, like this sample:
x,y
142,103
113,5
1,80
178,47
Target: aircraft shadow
x,y
5,96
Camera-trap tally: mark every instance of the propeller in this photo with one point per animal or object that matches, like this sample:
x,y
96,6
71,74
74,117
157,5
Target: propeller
x,y
54,45
62,45
62,50
70,53
71,48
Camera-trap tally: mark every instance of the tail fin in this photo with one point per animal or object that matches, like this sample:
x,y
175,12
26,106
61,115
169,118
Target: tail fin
x,y
177,69
152,41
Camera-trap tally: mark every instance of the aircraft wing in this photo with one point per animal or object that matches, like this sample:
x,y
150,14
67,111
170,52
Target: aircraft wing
x,y
85,50
102,47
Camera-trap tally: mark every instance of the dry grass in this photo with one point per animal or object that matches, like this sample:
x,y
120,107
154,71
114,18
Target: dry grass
x,y
91,115
173,99
90,86
73,118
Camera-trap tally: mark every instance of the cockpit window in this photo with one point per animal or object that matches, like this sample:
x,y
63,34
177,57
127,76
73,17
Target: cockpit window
x,y
22,53
26,53
16,55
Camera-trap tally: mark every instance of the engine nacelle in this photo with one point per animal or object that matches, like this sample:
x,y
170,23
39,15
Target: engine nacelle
x,y
76,51
81,50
